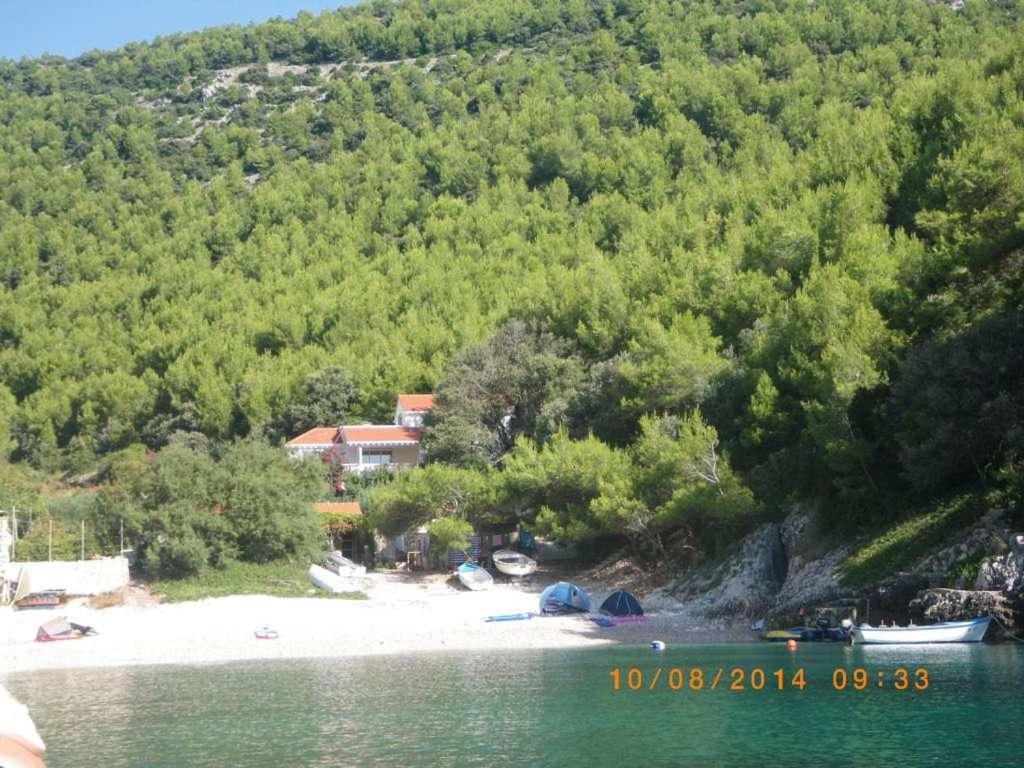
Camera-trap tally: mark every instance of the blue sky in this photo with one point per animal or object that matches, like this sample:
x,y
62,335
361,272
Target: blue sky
x,y
71,27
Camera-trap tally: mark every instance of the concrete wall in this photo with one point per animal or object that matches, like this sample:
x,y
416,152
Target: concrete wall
x,y
76,577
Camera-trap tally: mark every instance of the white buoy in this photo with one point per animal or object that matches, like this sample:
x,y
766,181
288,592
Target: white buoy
x,y
657,645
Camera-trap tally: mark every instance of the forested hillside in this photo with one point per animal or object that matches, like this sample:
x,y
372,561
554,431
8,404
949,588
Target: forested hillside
x,y
708,258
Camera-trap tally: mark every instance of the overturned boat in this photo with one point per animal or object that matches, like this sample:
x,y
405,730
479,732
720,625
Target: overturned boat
x,y
344,567
947,632
331,582
513,563
474,577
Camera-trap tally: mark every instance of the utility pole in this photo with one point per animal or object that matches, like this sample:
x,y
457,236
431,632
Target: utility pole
x,y
49,551
121,551
82,557
14,541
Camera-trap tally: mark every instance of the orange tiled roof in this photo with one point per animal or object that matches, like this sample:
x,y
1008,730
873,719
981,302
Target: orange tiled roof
x,y
315,436
379,433
415,402
338,507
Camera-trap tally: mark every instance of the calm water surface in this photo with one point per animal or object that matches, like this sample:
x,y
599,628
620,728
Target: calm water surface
x,y
537,708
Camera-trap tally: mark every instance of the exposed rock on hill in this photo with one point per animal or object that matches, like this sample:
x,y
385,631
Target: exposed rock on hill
x,y
775,573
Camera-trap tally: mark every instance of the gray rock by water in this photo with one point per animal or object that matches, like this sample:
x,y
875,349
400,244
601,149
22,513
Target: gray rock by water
x,y
1004,572
934,605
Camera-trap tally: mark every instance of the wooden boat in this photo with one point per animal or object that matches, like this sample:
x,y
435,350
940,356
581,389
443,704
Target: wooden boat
x,y
331,582
513,563
20,743
39,600
344,567
474,577
947,632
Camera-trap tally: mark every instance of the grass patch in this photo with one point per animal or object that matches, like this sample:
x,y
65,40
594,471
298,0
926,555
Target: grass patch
x,y
966,571
281,579
903,544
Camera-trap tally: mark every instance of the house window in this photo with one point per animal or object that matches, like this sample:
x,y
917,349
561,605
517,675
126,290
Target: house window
x,y
412,419
377,457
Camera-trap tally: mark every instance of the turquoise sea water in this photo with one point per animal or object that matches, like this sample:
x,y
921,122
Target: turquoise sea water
x,y
540,708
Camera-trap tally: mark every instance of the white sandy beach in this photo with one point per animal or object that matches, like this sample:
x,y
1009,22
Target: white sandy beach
x,y
403,614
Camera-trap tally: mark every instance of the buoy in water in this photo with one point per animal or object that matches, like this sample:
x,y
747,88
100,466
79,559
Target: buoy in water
x,y
657,645
791,645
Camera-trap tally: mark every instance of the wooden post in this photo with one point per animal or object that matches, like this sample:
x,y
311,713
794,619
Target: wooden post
x,y
82,549
14,541
121,552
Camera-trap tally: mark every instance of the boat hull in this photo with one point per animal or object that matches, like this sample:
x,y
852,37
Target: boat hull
x,y
513,564
474,577
331,582
948,632
344,567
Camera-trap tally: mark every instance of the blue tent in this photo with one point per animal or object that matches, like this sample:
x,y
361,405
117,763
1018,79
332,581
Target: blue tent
x,y
622,603
564,597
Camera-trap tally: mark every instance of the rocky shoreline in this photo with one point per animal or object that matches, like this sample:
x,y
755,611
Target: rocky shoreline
x,y
776,574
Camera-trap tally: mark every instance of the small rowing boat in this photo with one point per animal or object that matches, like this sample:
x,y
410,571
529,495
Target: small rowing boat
x,y
344,567
513,563
947,632
474,577
39,600
331,582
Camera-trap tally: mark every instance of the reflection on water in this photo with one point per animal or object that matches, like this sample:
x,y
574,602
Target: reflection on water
x,y
543,708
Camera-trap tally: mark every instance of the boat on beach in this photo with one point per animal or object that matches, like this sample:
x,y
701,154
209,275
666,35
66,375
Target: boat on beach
x,y
947,632
331,582
344,567
39,600
474,577
513,563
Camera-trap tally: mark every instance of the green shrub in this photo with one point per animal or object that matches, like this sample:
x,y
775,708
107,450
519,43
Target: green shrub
x,y
178,556
903,544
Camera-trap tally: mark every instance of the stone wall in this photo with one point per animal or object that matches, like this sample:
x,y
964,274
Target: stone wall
x,y
76,577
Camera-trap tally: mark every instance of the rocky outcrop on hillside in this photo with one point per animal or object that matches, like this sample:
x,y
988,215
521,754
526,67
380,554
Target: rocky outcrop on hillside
x,y
1004,572
776,574
933,605
766,575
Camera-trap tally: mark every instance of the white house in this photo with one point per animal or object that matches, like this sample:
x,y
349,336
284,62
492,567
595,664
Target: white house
x,y
411,409
369,447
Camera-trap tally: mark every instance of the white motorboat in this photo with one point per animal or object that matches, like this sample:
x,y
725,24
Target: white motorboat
x,y
512,563
331,582
947,632
344,567
474,577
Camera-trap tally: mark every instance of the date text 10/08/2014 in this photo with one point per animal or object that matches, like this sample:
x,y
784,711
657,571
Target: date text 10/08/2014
x,y
738,679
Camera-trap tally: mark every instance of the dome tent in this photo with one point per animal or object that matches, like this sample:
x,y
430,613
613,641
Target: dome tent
x,y
622,603
564,597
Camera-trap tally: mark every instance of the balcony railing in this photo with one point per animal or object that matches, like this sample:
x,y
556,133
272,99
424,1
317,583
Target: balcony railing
x,y
365,468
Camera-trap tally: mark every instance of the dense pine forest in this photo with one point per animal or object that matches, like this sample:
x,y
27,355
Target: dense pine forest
x,y
669,266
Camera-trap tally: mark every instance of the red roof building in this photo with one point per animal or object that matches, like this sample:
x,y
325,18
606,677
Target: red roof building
x,y
411,409
338,508
370,447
